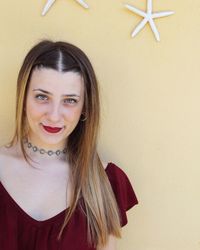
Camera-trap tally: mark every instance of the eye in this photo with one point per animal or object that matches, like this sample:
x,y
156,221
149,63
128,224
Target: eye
x,y
41,97
70,101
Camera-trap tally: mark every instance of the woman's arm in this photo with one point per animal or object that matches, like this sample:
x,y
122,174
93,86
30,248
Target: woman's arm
x,y
111,245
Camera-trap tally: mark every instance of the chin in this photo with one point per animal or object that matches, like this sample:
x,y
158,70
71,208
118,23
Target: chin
x,y
48,140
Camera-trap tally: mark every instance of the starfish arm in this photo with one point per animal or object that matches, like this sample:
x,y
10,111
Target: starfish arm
x,y
139,27
154,29
149,6
83,3
135,10
162,14
47,6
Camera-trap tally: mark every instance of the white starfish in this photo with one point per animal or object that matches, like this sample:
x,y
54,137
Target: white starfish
x,y
49,3
148,17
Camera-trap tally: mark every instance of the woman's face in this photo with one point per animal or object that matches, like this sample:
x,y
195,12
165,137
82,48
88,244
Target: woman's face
x,y
53,106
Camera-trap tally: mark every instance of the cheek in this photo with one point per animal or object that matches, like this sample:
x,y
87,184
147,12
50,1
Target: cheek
x,y
33,111
72,115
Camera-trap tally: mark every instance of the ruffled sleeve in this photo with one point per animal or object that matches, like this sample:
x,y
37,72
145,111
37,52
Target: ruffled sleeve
x,y
123,190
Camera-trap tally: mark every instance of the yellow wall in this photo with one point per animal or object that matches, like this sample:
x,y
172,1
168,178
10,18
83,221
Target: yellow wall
x,y
150,94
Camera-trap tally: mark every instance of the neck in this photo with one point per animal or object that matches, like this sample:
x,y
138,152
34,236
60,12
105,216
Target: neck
x,y
37,153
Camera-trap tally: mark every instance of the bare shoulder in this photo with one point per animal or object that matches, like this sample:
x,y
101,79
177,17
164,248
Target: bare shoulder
x,y
7,151
3,152
7,154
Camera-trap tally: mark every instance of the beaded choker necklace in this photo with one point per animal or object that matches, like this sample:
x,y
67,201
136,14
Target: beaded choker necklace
x,y
43,151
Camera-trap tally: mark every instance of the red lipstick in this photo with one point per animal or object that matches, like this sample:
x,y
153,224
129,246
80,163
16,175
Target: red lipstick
x,y
51,129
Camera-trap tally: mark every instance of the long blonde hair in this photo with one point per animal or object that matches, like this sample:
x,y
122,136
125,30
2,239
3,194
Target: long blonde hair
x,y
90,181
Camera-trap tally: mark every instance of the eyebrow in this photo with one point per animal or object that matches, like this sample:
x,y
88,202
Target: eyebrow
x,y
47,92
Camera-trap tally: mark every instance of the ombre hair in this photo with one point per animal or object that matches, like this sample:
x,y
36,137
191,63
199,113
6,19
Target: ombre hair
x,y
89,180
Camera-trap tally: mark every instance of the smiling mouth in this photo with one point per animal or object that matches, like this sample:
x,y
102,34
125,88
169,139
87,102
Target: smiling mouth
x,y
52,129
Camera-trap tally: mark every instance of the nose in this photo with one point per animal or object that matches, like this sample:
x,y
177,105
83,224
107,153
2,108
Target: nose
x,y
54,113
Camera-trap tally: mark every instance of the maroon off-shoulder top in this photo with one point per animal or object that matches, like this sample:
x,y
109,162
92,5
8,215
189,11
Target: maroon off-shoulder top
x,y
19,231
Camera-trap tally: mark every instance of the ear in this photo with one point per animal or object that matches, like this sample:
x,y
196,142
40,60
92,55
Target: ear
x,y
83,117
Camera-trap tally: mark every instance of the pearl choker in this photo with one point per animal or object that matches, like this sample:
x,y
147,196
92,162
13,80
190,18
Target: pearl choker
x,y
43,151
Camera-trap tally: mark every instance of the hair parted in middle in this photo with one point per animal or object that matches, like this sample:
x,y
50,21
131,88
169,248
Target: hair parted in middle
x,y
89,179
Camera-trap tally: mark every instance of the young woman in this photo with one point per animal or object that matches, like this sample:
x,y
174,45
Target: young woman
x,y
55,193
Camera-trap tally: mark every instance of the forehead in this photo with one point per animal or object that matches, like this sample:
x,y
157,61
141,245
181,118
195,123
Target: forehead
x,y
56,82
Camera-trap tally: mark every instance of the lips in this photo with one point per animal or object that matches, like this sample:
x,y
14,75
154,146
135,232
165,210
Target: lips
x,y
52,129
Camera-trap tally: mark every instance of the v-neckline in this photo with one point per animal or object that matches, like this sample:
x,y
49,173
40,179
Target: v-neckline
x,y
50,220
29,217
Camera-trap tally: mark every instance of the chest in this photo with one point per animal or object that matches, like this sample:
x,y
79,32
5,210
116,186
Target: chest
x,y
41,193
